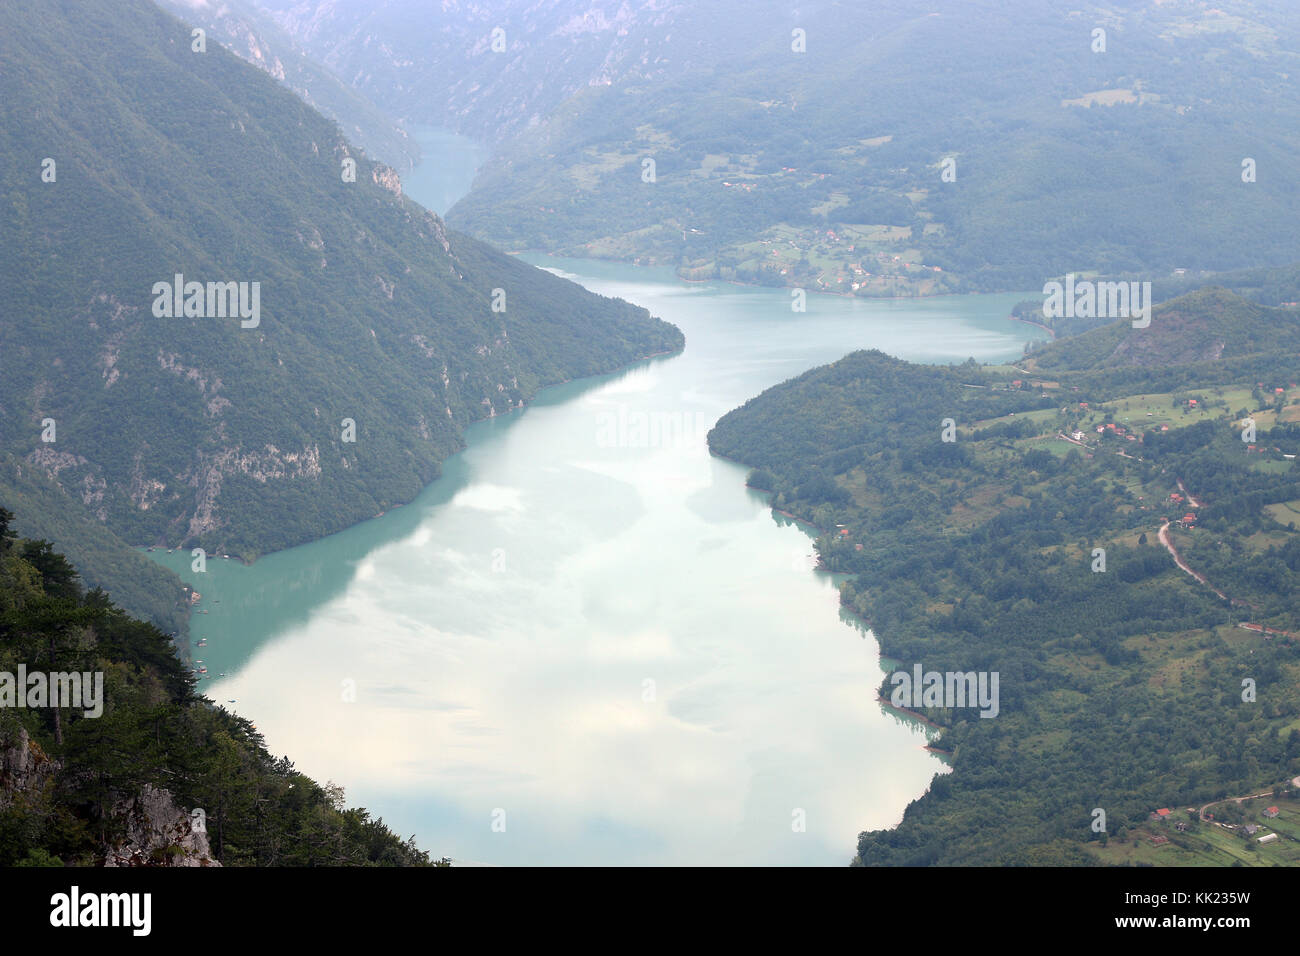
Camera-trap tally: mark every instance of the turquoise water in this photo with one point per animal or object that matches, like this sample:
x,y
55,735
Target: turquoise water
x,y
448,162
589,642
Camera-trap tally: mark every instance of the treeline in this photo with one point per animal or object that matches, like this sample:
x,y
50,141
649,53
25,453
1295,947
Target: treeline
x,y
154,730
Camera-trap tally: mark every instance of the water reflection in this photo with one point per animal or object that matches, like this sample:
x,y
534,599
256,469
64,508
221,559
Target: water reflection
x,y
589,644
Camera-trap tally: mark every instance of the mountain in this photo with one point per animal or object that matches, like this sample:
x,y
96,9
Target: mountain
x,y
912,149
252,35
1202,326
1267,285
370,334
445,65
45,511
1037,528
1010,152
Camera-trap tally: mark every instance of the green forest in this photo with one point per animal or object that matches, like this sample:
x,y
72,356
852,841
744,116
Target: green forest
x,y
1121,688
857,167
154,730
129,158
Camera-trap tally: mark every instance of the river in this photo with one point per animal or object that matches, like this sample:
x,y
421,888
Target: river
x,y
588,642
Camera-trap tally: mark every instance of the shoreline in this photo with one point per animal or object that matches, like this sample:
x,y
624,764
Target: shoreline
x,y
1038,325
915,715
770,495
248,563
760,285
846,609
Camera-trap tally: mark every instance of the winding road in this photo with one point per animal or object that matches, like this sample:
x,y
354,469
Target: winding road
x,y
1252,796
1178,560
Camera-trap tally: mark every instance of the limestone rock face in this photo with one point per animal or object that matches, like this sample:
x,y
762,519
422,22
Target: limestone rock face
x,y
158,833
24,769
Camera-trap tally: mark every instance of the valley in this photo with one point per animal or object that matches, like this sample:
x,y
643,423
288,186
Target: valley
x,y
650,434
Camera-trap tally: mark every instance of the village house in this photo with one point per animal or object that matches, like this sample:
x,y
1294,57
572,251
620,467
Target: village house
x,y
1271,812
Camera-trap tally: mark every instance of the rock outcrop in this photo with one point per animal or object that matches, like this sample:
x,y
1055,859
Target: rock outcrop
x,y
159,833
25,769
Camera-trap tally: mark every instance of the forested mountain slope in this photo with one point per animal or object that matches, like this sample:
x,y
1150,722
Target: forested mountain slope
x,y
1205,325
123,778
912,148
493,70
1006,522
378,334
247,31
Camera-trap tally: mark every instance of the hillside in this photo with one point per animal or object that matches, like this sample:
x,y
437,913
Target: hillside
x,y
1267,285
252,35
1036,545
1010,152
1202,326
45,511
142,771
375,339
439,65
